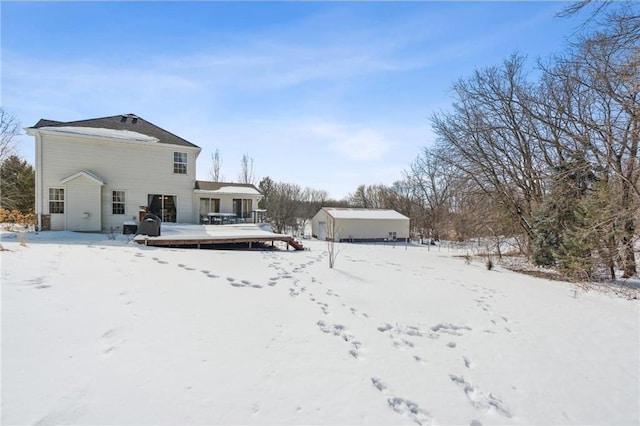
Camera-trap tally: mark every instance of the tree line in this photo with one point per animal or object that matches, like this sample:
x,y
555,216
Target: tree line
x,y
548,154
544,153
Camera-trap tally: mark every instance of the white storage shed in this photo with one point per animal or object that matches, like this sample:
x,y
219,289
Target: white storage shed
x,y
347,224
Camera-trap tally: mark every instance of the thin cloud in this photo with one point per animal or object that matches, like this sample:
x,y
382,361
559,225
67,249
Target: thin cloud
x,y
360,144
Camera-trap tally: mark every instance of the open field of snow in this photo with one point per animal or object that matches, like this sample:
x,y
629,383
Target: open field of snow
x,y
99,331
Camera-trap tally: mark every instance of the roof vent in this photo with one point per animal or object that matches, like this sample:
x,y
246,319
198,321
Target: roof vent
x,y
133,117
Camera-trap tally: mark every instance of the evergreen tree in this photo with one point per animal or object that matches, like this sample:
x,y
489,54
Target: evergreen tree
x,y
17,185
560,212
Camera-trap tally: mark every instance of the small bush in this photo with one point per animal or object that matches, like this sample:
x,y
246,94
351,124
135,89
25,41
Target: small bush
x,y
489,264
13,217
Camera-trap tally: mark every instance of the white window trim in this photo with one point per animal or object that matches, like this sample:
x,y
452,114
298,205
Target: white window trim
x,y
124,203
50,200
184,163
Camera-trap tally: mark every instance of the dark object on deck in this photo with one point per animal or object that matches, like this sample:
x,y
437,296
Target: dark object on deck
x,y
129,228
150,225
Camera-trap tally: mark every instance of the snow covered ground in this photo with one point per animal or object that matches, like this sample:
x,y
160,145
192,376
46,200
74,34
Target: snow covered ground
x,y
99,331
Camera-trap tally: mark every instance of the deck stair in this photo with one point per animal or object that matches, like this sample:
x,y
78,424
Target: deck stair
x,y
295,244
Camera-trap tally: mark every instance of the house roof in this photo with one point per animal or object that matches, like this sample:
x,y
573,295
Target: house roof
x,y
86,174
350,213
227,187
128,122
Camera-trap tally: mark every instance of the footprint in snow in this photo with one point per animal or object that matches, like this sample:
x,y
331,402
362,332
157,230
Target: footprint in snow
x,y
467,362
448,328
478,399
402,406
341,331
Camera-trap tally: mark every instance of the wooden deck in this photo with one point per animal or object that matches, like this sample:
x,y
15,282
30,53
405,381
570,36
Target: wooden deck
x,y
187,237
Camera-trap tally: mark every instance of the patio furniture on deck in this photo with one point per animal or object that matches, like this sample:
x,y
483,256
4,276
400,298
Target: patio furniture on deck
x,y
221,218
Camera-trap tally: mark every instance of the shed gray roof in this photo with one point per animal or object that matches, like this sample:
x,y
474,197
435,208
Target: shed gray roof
x,y
130,122
353,213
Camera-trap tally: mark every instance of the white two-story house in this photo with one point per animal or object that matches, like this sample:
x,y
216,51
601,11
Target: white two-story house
x,y
97,174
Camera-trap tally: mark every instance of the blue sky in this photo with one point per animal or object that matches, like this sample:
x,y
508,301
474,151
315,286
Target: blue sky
x,y
323,94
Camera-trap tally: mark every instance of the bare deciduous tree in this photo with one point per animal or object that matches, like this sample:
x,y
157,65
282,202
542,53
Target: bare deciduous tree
x,y
430,177
9,129
487,137
216,160
332,232
246,171
369,197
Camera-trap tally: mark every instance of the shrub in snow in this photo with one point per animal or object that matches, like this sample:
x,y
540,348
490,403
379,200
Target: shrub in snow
x,y
489,264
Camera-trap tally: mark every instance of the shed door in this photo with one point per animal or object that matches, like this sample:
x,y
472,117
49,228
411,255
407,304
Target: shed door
x,y
322,230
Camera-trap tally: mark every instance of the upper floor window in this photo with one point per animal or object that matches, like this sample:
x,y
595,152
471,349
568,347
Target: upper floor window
x,y
180,163
56,200
117,202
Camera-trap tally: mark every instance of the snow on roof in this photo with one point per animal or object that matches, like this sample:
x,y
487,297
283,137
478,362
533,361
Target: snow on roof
x,y
345,213
105,133
232,189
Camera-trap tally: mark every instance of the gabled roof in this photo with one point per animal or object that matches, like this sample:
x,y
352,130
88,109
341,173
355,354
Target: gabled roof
x,y
227,187
129,122
349,213
86,174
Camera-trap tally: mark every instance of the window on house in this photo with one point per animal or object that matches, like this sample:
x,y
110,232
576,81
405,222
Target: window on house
x,y
117,202
56,200
208,205
246,208
392,236
180,163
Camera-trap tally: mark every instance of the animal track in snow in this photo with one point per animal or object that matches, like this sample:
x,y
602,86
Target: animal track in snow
x,y
403,343
341,331
324,307
450,328
111,340
478,399
38,282
243,283
467,362
402,406
408,330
